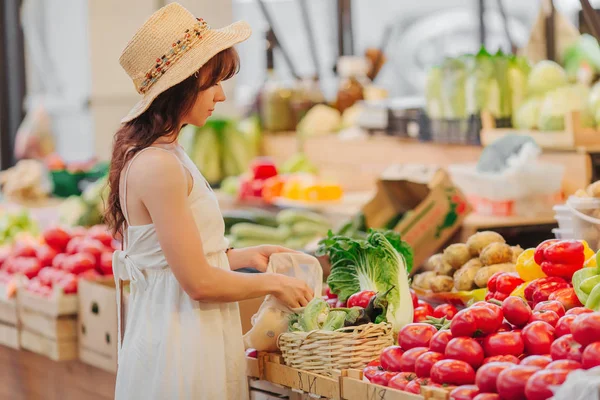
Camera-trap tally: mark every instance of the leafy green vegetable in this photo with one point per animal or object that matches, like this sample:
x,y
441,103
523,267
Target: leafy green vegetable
x,y
378,263
433,93
335,320
561,101
545,77
454,76
314,315
582,56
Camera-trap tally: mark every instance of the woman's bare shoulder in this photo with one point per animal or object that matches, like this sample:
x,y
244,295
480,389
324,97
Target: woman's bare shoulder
x,y
157,170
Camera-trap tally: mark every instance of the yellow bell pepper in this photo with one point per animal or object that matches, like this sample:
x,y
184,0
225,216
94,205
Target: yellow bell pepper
x,y
527,268
589,253
591,262
520,290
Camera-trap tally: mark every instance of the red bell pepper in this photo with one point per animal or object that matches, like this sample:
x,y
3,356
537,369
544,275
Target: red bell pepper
x,y
502,284
540,289
560,258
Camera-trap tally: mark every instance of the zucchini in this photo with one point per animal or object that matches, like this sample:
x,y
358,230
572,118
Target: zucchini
x,y
291,217
233,217
309,229
298,243
246,230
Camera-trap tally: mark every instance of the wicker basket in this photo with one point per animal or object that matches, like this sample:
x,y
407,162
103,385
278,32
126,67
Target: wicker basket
x,y
321,352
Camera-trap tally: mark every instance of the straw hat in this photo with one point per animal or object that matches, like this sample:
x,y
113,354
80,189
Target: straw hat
x,y
170,47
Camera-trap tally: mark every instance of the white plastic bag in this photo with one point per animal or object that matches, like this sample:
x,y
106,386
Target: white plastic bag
x,y
271,320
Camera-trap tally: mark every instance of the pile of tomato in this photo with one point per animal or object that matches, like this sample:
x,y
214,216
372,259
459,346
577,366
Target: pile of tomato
x,y
492,350
58,258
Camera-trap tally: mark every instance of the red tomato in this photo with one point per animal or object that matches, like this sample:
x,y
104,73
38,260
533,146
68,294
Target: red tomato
x,y
536,361
24,249
503,343
421,314
414,386
78,231
445,310
35,286
369,372
463,324
491,285
464,392
79,263
545,315
563,326
360,299
539,384
567,297
93,247
106,264
423,303
579,311
374,363
476,321
507,282
415,299
486,375
68,283
569,365
416,335
511,382
57,238
452,372
390,358
401,380
465,349
538,337
551,305
45,254
591,355
74,243
499,296
382,377
566,348
100,233
408,359
90,275
487,396
508,358
28,266
425,361
440,340
49,275
586,328
505,327
58,261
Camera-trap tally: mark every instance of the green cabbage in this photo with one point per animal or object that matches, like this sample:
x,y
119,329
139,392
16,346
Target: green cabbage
x,y
562,101
335,320
528,114
454,76
503,108
433,94
545,77
480,71
314,315
378,263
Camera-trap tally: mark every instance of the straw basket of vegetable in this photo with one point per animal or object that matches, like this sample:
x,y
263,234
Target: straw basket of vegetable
x,y
322,339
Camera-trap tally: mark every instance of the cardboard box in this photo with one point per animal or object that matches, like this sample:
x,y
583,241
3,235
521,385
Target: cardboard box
x,y
421,203
98,323
247,310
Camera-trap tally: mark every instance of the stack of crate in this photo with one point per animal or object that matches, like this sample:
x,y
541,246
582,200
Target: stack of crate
x,y
48,324
9,321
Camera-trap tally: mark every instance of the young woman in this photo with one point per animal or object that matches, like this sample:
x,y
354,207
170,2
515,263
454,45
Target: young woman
x,y
183,334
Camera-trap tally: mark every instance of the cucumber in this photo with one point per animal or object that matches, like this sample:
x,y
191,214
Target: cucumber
x,y
291,217
246,230
298,243
309,229
233,217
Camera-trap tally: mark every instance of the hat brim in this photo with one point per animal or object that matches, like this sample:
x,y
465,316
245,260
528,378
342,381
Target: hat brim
x,y
214,41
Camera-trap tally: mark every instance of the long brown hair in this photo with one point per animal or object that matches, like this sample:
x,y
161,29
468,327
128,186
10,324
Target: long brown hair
x,y
162,118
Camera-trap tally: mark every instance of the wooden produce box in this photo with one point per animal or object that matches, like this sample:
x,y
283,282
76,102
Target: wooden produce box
x,y
9,321
353,387
98,328
48,325
575,134
301,382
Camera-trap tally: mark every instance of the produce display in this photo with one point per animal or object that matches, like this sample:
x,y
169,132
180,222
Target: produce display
x,y
27,181
56,260
291,228
465,267
16,224
88,209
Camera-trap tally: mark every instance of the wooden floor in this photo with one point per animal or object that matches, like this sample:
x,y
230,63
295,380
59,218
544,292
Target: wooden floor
x,y
28,376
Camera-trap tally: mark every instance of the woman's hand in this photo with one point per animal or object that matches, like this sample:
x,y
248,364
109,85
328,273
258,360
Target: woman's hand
x,y
256,257
292,292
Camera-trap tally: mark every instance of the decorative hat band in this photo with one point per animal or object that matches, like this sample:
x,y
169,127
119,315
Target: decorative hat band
x,y
178,48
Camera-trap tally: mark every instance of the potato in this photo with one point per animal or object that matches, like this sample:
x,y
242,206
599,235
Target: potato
x,y
496,253
442,284
464,278
443,268
432,262
456,255
474,262
484,274
593,189
423,280
516,252
481,240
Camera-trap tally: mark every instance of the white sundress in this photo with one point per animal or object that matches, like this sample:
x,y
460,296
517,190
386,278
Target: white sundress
x,y
173,346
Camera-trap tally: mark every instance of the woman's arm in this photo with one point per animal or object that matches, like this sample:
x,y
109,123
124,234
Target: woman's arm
x,y
160,181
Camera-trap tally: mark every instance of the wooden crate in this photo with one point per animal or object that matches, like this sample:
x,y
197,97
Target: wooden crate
x,y
52,306
574,135
56,328
9,336
98,323
57,350
353,387
8,312
299,381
